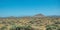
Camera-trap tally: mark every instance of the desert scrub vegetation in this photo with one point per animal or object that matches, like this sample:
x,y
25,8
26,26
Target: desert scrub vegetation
x,y
52,27
21,28
3,28
30,23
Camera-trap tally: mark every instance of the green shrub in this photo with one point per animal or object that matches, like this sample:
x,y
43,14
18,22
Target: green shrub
x,y
21,28
4,28
51,27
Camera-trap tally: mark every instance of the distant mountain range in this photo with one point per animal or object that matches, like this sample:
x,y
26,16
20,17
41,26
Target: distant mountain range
x,y
54,16
41,15
37,15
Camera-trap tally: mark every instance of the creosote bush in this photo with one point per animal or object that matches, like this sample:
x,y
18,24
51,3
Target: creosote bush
x,y
4,28
21,28
52,27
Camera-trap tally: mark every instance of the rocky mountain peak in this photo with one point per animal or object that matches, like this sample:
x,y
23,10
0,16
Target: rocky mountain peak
x,y
39,15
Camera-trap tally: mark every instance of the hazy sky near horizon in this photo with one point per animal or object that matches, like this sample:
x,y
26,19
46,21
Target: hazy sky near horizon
x,y
29,7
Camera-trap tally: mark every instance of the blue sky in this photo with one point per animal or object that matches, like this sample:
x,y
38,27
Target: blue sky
x,y
29,7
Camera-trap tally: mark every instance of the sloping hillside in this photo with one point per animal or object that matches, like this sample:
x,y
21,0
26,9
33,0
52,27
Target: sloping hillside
x,y
36,22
